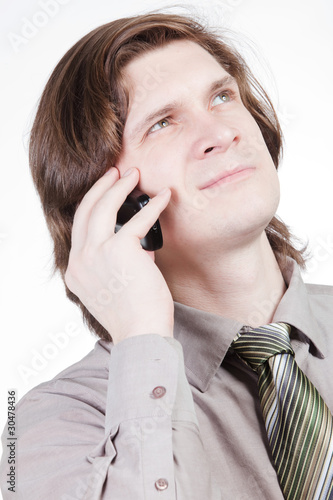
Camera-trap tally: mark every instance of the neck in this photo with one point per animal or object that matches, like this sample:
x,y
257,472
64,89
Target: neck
x,y
245,284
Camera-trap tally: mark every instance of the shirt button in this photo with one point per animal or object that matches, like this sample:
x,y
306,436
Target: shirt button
x,y
158,392
161,484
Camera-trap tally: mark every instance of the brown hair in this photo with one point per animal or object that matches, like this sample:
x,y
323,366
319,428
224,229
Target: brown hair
x,y
77,132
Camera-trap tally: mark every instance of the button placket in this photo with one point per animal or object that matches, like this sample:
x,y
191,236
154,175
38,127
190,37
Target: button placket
x,y
157,393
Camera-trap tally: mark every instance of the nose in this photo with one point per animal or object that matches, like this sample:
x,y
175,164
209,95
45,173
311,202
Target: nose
x,y
212,135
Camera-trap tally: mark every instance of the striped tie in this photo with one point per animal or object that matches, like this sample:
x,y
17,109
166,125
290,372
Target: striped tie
x,y
298,423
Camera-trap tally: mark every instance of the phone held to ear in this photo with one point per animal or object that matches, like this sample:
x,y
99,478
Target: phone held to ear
x,y
133,204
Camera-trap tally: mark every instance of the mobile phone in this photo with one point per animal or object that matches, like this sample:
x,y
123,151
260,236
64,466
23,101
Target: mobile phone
x,y
133,204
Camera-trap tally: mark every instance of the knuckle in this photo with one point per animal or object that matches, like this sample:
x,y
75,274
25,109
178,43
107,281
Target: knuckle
x,y
111,247
106,204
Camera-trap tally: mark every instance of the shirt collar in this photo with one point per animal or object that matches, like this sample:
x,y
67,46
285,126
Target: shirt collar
x,y
206,337
295,308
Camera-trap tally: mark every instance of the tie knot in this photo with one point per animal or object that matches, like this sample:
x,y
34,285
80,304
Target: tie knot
x,y
256,345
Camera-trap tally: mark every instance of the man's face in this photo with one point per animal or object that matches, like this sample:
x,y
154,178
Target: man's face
x,y
187,128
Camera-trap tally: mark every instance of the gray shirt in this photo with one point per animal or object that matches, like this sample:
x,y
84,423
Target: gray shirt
x,y
165,418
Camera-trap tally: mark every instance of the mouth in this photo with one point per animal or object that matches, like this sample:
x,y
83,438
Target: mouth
x,y
238,173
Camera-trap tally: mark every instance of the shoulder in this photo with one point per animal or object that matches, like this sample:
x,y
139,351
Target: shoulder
x,y
83,383
320,299
91,372
320,296
324,290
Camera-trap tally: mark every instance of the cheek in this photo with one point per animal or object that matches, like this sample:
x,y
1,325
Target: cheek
x,y
274,188
159,167
252,146
124,163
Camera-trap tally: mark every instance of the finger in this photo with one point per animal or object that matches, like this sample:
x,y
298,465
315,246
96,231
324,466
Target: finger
x,y
103,216
139,225
83,212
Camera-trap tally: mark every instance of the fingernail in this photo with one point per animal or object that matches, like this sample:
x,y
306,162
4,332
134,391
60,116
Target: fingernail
x,y
128,172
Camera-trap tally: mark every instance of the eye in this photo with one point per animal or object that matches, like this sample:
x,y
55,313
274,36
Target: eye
x,y
159,125
221,98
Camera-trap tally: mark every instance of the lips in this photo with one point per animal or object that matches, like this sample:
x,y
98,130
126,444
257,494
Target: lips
x,y
228,175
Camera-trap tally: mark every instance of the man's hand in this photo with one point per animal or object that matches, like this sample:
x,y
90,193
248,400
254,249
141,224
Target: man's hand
x,y
113,276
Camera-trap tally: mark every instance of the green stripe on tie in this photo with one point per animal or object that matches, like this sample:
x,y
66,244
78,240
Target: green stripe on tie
x,y
299,425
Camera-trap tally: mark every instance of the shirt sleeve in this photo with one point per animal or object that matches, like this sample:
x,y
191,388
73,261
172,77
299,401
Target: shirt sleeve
x,y
142,443
151,418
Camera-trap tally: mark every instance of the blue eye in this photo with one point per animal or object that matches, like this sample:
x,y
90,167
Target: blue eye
x,y
161,124
221,98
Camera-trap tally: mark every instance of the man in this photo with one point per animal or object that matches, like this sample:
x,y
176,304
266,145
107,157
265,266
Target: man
x,y
168,409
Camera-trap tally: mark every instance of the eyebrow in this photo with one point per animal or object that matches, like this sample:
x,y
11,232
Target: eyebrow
x,y
166,110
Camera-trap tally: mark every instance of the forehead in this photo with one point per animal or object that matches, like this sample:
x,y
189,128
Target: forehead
x,y
177,61
173,49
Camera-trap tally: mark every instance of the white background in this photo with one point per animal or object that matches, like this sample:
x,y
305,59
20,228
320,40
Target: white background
x,y
293,41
